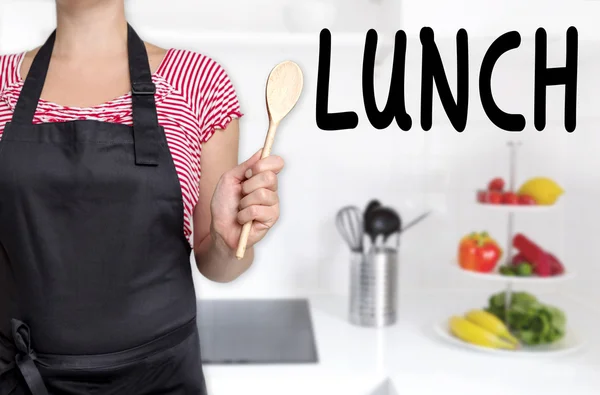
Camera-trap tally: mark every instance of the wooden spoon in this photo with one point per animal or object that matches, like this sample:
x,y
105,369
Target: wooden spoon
x,y
283,91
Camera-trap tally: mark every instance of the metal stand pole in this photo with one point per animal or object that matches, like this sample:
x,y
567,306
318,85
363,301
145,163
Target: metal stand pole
x,y
507,302
511,223
512,186
510,233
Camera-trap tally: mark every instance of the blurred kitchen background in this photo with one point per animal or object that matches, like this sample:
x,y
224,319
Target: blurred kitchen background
x,y
412,171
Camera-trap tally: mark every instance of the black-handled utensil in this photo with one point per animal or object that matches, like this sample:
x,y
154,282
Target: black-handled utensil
x,y
372,205
416,221
397,220
382,221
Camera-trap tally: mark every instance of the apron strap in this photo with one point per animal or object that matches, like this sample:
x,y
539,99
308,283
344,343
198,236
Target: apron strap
x,y
146,129
34,84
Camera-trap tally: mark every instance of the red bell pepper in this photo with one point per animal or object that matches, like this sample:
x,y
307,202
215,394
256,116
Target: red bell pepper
x,y
479,253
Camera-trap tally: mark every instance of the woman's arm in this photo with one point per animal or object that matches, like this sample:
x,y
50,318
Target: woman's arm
x,y
214,259
231,195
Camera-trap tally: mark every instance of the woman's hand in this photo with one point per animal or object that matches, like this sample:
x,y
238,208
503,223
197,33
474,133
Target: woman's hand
x,y
248,192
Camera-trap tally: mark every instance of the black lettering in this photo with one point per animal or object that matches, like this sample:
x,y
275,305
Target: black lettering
x,y
503,120
433,69
545,77
395,106
326,120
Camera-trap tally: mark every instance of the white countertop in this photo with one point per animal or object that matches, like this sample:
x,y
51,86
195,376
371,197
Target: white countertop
x,y
407,355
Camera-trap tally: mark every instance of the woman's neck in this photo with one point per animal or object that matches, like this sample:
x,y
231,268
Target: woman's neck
x,y
90,27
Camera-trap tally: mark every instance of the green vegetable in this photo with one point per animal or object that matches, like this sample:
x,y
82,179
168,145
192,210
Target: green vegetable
x,y
531,321
507,270
524,269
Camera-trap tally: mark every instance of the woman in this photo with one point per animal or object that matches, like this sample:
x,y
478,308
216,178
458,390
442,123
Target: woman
x,y
98,201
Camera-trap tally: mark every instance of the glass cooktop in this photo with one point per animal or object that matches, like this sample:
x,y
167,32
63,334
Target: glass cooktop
x,y
256,331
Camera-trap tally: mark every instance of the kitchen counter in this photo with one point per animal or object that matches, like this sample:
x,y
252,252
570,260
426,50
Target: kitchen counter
x,y
408,359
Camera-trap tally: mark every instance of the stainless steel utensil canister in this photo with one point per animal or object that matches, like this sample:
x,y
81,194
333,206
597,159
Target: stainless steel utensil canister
x,y
374,287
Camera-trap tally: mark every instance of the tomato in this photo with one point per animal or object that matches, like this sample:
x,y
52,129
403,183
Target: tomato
x,y
510,198
482,196
494,197
497,184
526,200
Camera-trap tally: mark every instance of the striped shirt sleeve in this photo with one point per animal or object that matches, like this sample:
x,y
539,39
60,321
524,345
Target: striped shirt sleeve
x,y
219,103
4,70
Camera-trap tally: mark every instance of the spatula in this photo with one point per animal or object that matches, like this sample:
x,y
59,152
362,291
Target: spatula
x,y
284,87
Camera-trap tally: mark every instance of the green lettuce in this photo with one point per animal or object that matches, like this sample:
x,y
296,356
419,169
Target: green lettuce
x,y
531,321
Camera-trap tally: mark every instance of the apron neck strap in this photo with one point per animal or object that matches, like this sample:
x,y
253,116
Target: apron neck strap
x,y
146,129
145,120
34,84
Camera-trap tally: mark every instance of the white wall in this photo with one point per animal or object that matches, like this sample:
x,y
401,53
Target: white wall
x,y
412,170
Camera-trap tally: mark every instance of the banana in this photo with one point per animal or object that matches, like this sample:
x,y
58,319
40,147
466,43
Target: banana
x,y
471,333
491,323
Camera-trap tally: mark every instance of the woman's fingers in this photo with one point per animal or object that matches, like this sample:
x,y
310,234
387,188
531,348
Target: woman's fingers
x,y
270,163
266,179
266,215
260,201
260,197
254,165
238,173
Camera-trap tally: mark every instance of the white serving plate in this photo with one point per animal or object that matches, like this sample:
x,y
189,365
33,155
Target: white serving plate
x,y
569,344
516,208
496,276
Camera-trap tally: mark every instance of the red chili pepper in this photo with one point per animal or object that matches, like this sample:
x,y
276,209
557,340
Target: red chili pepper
x,y
518,259
534,254
556,268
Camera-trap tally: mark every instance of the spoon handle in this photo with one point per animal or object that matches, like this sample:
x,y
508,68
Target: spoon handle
x,y
241,250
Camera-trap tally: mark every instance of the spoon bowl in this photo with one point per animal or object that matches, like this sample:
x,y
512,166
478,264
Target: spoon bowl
x,y
284,87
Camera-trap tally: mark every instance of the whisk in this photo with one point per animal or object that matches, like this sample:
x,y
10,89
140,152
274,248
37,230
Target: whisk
x,y
350,225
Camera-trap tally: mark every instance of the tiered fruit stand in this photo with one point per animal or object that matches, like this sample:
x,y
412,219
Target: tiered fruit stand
x,y
570,342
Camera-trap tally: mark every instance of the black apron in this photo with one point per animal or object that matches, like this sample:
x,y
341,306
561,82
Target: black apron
x,y
96,290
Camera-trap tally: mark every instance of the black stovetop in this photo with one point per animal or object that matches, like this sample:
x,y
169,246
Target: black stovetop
x,y
256,331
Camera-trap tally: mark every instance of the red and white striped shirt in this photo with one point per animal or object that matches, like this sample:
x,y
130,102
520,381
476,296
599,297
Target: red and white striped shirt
x,y
194,96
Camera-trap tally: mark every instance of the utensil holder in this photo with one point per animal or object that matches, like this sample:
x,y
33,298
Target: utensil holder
x,y
374,287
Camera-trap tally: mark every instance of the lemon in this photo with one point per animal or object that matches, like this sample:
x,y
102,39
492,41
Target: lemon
x,y
544,190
